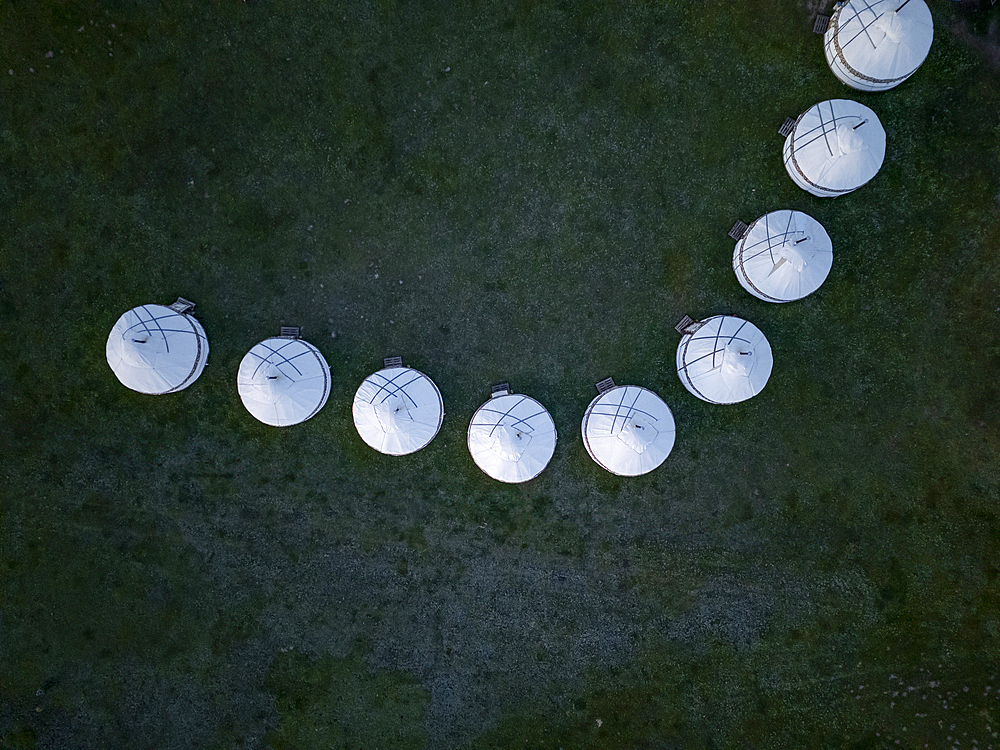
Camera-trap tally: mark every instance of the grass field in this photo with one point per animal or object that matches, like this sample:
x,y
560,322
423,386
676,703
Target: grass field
x,y
532,192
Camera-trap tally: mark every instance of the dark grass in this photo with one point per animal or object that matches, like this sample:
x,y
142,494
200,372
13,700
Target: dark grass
x,y
552,184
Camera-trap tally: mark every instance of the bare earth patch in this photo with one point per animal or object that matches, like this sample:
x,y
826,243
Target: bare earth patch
x,y
987,45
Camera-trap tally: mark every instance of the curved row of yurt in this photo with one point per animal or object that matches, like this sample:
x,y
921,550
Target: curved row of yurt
x,y
831,149
284,380
835,146
874,45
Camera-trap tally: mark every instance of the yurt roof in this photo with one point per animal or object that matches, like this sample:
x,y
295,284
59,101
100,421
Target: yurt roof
x,y
783,256
512,438
836,146
880,41
726,360
398,410
153,349
283,381
628,430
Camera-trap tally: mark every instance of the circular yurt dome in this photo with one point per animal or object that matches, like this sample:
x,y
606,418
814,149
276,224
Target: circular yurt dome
x,y
283,381
154,349
512,438
835,147
628,430
873,45
784,256
398,410
724,360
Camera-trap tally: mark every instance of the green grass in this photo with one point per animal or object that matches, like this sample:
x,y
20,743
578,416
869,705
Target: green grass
x,y
532,192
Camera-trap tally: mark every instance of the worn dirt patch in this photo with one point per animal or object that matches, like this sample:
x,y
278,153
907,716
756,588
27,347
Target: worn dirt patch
x,y
988,45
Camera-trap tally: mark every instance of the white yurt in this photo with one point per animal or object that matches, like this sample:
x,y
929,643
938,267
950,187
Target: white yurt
x,y
284,380
873,45
724,359
835,147
398,410
512,437
783,256
627,429
157,349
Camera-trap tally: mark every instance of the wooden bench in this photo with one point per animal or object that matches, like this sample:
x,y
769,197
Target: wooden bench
x,y
500,389
688,325
182,306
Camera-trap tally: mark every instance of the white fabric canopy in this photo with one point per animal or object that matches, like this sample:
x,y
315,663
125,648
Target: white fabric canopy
x,y
283,381
398,410
628,430
512,438
873,45
153,349
725,361
835,147
783,256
